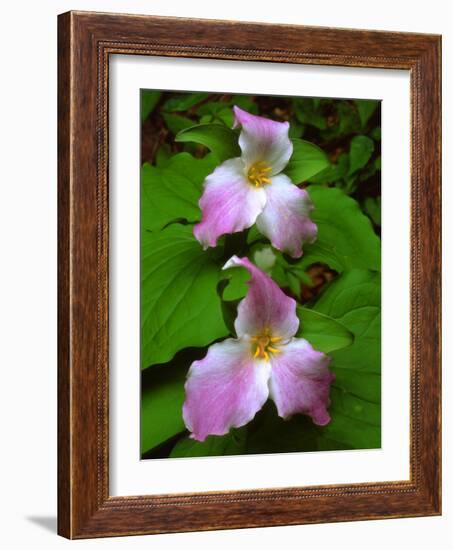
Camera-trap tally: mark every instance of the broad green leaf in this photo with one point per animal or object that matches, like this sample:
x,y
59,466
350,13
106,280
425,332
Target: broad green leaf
x,y
176,123
149,100
183,102
180,306
306,161
268,433
163,155
334,173
354,300
172,191
362,148
324,333
162,397
372,207
220,140
349,185
254,236
233,443
366,109
236,288
356,422
346,239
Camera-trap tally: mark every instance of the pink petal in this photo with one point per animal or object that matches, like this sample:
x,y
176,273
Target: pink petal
x,y
300,381
228,204
225,389
266,306
264,140
285,219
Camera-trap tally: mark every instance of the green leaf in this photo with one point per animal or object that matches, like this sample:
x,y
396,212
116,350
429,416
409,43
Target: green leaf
x,y
362,148
376,133
163,155
289,275
245,102
334,173
233,443
183,102
176,123
161,405
346,239
306,161
354,300
216,112
171,192
220,140
355,421
366,109
149,100
237,278
348,120
296,129
221,112
307,112
372,207
268,433
369,171
180,306
323,332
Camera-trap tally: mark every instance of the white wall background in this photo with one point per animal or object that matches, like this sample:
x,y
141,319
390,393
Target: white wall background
x,y
28,160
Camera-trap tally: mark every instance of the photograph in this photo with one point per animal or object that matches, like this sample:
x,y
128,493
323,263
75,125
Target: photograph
x,y
260,258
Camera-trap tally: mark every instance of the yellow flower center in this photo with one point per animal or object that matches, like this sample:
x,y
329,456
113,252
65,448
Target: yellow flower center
x,y
258,174
263,345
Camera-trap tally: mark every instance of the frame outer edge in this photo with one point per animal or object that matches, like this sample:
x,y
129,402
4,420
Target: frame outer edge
x,y
83,511
64,527
432,268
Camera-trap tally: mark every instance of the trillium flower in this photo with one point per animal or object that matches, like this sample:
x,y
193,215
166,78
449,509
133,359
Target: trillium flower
x,y
252,188
231,384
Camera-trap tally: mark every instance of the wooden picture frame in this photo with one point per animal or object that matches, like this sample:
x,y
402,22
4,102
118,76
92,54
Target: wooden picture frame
x,y
85,41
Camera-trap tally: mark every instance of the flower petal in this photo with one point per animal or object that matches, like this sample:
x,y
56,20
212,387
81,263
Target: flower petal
x,y
225,389
263,139
266,306
300,381
229,203
285,219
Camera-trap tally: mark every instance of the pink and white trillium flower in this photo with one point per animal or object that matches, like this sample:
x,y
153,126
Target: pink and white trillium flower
x,y
231,384
252,188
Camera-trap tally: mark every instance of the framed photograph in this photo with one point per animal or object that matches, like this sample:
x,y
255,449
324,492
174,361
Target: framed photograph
x,y
249,275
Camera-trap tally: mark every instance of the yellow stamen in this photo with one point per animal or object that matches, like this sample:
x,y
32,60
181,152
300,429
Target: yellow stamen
x,y
263,343
257,174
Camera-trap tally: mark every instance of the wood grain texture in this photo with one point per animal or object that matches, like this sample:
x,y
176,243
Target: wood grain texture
x,y
85,42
